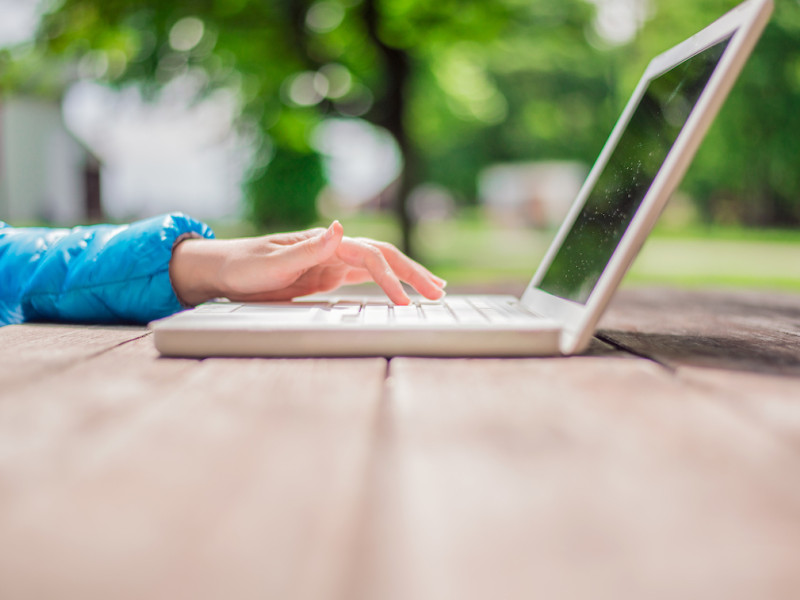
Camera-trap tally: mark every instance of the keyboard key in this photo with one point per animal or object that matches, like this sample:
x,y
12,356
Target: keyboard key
x,y
464,311
376,314
280,314
437,314
482,303
495,315
344,312
406,314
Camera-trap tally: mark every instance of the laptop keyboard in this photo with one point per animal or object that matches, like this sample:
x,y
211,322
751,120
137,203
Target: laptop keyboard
x,y
455,310
471,311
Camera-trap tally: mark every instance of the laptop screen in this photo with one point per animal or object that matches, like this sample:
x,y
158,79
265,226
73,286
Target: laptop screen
x,y
628,175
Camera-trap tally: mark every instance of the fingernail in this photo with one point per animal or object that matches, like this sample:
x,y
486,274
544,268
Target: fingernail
x,y
442,283
330,232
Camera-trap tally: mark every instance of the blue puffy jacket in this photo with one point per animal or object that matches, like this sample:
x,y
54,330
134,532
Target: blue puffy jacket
x,y
95,274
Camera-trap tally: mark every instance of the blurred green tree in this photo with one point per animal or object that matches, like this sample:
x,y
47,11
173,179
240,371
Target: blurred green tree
x,y
459,84
440,77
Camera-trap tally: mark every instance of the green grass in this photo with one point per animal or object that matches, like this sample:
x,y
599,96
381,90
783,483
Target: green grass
x,y
718,260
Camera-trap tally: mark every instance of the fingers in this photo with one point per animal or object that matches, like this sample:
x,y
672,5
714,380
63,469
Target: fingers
x,y
410,271
368,257
387,266
295,237
303,255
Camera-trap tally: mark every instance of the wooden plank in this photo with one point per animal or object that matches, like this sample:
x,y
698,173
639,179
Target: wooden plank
x,y
132,476
87,393
40,349
749,331
743,345
574,478
766,400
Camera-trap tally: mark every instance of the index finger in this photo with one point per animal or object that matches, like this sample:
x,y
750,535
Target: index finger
x,y
410,271
366,256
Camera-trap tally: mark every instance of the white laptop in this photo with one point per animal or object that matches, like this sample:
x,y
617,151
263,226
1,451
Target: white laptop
x,y
640,166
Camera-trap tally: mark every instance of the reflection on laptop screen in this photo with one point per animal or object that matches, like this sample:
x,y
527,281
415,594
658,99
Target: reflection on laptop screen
x,y
621,187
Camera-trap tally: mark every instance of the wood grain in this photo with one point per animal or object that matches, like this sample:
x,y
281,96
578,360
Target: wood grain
x,y
575,478
39,350
746,331
743,347
130,476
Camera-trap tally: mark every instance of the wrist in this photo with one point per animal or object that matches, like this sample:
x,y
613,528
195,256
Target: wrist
x,y
194,270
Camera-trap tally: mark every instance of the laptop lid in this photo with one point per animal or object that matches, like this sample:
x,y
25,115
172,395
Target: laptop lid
x,y
640,166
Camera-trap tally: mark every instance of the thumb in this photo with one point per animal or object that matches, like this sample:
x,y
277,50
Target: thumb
x,y
309,253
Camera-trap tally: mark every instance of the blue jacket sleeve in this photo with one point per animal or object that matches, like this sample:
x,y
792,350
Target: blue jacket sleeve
x,y
95,274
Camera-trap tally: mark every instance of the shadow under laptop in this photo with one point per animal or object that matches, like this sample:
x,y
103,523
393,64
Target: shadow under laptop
x,y
734,330
674,350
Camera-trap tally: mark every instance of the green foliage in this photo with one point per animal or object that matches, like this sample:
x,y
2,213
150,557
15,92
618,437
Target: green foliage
x,y
460,84
535,90
285,194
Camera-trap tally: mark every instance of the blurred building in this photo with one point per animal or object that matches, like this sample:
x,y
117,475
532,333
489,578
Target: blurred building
x,y
536,194
45,173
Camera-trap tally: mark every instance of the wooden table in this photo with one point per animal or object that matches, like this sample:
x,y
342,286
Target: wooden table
x,y
663,463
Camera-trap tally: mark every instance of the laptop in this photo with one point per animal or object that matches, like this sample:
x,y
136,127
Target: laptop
x,y
640,166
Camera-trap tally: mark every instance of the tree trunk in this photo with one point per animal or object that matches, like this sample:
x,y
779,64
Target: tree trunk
x,y
389,112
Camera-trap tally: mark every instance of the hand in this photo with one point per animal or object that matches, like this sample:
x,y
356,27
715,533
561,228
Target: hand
x,y
287,265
